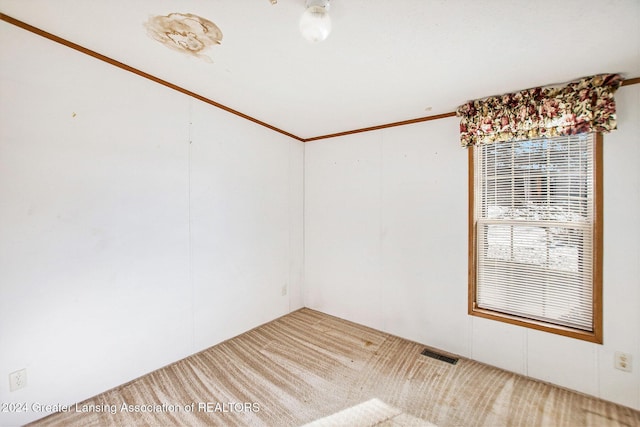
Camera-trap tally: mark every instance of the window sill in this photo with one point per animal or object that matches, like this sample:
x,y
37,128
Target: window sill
x,y
594,337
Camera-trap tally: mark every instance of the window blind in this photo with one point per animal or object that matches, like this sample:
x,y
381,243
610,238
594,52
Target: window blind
x,y
534,219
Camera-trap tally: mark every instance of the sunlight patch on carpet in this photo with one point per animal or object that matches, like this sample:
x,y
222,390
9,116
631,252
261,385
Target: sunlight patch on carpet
x,y
373,412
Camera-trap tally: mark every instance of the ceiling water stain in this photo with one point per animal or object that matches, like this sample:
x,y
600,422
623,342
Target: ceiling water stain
x,y
185,33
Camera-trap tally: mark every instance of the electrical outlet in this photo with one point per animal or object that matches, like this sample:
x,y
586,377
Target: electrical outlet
x,y
623,361
17,380
284,290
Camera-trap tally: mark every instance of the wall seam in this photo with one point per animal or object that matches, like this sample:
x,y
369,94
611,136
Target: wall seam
x,y
381,233
303,279
189,200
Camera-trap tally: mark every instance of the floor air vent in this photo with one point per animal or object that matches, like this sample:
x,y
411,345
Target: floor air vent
x,y
438,356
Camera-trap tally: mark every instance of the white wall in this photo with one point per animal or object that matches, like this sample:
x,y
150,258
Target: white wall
x,y
137,226
386,246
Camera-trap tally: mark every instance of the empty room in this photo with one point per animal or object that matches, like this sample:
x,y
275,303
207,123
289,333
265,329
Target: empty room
x,y
322,212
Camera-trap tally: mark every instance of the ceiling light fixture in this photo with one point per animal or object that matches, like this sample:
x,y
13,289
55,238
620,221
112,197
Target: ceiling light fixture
x,y
315,22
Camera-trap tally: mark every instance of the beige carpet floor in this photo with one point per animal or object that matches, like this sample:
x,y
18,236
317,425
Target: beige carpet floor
x,y
307,366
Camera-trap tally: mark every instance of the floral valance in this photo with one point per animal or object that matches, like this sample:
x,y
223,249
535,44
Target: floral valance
x,y
585,105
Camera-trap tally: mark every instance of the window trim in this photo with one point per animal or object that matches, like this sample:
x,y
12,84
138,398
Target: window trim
x,y
594,336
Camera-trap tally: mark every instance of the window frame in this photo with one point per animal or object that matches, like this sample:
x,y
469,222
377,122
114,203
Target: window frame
x,y
594,336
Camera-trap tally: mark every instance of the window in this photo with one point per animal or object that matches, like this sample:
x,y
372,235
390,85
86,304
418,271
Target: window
x,y
535,234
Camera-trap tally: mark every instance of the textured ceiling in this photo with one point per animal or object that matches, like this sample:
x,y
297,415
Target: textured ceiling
x,y
385,61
